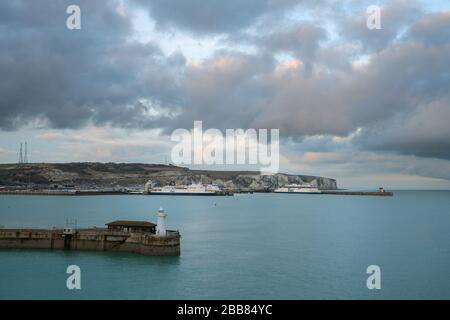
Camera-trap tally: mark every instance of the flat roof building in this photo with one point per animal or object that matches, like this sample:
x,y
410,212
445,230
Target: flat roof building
x,y
132,226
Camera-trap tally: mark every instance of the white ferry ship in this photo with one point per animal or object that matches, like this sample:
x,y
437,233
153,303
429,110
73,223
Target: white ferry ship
x,y
191,190
298,188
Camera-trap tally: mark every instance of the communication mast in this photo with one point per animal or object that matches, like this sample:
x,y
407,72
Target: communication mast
x,y
20,154
25,159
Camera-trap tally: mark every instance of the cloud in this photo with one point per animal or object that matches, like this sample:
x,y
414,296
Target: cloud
x,y
51,136
5,153
301,41
433,29
213,16
423,133
106,144
396,17
71,77
353,163
221,90
326,81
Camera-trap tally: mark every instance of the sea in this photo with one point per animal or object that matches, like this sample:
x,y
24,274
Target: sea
x,y
248,246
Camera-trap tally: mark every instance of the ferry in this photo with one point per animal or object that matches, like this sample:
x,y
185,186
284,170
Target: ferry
x,y
298,188
190,190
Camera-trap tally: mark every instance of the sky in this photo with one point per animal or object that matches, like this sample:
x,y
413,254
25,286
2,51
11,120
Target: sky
x,y
366,107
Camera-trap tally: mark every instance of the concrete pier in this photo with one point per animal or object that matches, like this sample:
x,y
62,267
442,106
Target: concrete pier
x,y
61,192
359,193
97,239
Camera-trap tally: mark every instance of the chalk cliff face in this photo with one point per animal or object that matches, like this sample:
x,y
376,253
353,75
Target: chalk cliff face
x,y
135,174
238,181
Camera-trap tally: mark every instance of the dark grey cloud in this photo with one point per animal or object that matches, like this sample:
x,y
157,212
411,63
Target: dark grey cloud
x,y
223,90
437,25
423,132
395,83
418,71
212,16
301,40
71,77
398,96
396,17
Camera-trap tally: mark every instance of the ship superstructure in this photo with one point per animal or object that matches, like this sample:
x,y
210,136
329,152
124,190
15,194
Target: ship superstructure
x,y
298,188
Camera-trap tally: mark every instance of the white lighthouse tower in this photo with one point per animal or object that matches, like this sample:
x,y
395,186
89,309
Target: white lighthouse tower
x,y
161,223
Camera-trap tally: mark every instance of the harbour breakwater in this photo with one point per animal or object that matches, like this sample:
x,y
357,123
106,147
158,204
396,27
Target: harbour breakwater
x,y
360,193
62,192
96,239
221,193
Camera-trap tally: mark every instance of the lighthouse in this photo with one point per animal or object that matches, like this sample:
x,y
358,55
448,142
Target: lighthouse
x,y
161,223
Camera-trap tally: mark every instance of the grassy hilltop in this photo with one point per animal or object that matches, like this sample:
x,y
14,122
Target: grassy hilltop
x,y
126,174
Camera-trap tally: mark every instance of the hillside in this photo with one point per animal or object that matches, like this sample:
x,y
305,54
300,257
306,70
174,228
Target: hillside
x,y
106,175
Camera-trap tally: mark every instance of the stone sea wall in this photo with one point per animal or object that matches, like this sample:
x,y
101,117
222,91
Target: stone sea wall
x,y
90,240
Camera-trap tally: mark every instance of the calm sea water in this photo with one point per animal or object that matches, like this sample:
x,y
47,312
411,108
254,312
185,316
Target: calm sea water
x,y
260,246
